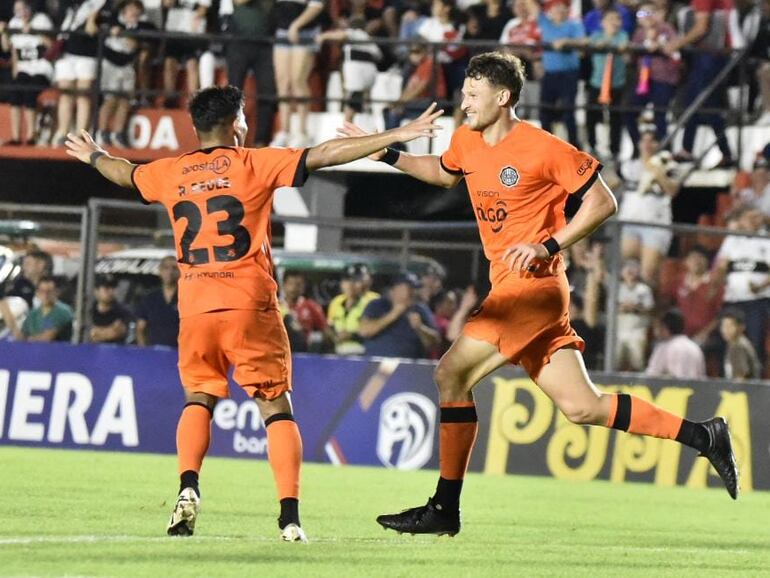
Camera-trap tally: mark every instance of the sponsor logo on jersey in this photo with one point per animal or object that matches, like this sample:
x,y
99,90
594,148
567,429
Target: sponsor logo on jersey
x,y
509,176
494,215
405,437
219,166
585,166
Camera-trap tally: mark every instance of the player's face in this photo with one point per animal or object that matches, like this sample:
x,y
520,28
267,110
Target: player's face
x,y
482,103
241,128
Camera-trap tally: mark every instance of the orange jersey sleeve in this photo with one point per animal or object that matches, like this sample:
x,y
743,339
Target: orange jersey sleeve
x,y
278,167
151,178
566,166
452,160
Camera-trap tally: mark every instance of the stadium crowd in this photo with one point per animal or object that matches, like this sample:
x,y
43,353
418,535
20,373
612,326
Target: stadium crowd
x,y
291,46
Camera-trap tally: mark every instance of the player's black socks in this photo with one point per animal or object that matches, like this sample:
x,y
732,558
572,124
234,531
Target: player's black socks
x,y
695,435
289,512
189,479
447,496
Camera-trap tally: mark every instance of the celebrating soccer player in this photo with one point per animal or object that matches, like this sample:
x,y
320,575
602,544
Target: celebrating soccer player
x,y
219,200
519,178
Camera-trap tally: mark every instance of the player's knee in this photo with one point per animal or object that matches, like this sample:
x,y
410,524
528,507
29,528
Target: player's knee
x,y
201,398
448,381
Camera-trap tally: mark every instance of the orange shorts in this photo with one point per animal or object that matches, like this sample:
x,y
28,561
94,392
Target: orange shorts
x,y
527,319
254,342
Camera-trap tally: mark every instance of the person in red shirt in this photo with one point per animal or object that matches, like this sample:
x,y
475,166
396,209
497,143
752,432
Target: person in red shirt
x,y
518,178
219,200
699,296
304,313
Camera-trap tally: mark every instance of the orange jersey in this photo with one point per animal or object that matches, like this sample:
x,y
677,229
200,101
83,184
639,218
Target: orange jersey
x,y
518,188
219,201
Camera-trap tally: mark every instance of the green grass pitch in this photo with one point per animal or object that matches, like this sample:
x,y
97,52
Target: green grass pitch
x,y
80,513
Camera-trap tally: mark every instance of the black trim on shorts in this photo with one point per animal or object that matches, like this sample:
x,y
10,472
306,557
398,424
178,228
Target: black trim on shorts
x,y
458,415
189,403
592,179
622,413
457,172
302,173
278,417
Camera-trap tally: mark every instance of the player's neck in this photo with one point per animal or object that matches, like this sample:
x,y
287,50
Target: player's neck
x,y
218,140
498,130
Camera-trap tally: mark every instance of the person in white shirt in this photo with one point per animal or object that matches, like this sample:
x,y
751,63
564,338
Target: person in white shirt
x,y
675,354
635,303
744,264
31,72
188,17
651,182
758,191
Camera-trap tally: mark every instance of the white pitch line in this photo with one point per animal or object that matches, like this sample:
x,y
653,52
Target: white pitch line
x,y
390,540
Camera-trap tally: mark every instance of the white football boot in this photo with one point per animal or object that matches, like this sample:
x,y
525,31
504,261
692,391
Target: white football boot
x,y
293,533
186,510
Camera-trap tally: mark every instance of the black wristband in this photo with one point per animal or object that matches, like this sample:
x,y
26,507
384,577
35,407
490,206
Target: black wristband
x,y
552,246
391,156
95,157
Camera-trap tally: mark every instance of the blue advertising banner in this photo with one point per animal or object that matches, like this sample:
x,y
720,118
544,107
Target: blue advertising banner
x,y
366,411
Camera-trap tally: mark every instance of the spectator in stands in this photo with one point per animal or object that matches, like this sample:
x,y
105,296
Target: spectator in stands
x,y
491,16
345,311
76,69
592,20
744,265
398,325
442,26
635,304
157,315
6,57
51,320
709,33
698,296
760,49
251,18
608,80
302,312
183,17
672,10
35,265
119,74
757,194
651,182
675,354
523,30
561,66
31,72
297,23
468,302
432,283
741,361
423,83
585,302
110,321
359,67
444,306
657,75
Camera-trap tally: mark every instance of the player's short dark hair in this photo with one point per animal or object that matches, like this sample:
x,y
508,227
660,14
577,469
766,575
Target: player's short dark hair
x,y
735,314
499,69
215,107
673,320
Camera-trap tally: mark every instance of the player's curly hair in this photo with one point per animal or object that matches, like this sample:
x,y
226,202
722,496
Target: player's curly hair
x,y
499,69
215,107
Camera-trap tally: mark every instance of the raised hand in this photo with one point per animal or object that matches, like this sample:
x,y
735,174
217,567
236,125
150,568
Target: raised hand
x,y
348,129
423,125
82,146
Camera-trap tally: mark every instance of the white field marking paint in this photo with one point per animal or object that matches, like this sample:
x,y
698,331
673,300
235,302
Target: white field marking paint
x,y
31,540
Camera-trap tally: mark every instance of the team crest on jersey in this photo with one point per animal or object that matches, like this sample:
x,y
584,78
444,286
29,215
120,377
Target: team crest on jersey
x,y
509,176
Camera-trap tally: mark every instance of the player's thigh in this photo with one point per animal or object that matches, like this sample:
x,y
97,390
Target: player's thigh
x,y
466,362
565,380
203,365
257,345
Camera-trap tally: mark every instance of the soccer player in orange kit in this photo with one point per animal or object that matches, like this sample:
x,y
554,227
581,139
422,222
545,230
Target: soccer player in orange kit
x,y
219,200
518,178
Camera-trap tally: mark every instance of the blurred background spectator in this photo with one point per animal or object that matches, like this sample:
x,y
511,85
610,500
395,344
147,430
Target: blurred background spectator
x,y
110,321
757,193
741,361
675,355
186,17
347,308
51,320
635,306
398,325
302,313
157,315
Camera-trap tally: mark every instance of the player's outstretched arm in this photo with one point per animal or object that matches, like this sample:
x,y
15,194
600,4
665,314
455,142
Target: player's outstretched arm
x,y
426,168
339,151
83,148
